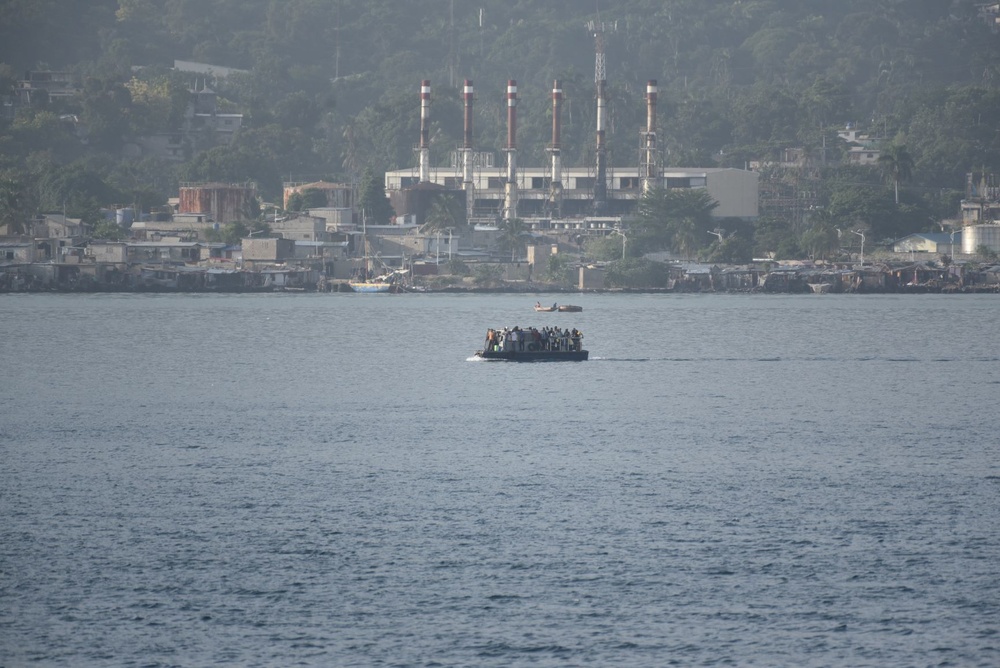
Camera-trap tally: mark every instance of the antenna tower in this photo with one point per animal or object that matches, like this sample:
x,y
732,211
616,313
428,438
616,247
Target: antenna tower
x,y
597,28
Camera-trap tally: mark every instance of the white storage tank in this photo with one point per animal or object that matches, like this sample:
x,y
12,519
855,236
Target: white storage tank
x,y
124,216
975,236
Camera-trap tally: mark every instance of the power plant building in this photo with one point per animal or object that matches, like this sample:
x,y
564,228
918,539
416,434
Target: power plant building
x,y
595,196
734,189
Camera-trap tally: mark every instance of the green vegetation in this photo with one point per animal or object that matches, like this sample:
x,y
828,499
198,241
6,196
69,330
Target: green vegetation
x,y
445,212
372,201
636,273
558,269
604,249
986,254
329,88
232,233
310,198
513,234
678,220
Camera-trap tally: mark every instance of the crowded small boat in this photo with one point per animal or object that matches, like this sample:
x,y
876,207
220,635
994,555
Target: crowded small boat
x,y
530,344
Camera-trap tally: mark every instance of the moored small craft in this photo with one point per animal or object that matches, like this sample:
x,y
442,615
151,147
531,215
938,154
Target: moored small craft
x,y
549,344
819,288
569,308
373,285
391,282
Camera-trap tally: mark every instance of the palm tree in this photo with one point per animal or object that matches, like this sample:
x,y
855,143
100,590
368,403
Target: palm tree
x,y
444,212
820,241
677,218
15,207
513,232
686,239
896,164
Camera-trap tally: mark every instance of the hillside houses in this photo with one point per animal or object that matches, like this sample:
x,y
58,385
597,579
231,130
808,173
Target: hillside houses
x,y
862,147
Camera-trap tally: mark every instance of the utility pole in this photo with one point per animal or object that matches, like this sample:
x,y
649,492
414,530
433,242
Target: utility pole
x,y
862,235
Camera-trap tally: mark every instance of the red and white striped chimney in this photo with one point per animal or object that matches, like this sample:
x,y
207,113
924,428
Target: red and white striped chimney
x,y
467,95
650,170
510,187
511,114
651,107
467,160
425,143
556,128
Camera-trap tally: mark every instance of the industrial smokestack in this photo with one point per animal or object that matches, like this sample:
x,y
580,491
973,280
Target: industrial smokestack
x,y
510,187
511,114
425,144
650,170
600,79
556,107
467,95
467,175
600,183
651,107
555,192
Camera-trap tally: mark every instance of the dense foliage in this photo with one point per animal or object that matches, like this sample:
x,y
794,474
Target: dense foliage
x,y
331,91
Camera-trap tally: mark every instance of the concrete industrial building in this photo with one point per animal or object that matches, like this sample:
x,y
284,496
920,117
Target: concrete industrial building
x,y
734,189
595,197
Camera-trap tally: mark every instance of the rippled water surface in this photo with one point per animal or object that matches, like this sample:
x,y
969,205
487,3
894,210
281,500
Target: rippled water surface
x,y
331,480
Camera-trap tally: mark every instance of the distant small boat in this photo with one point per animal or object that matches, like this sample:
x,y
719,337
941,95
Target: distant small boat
x,y
819,288
390,282
545,309
569,308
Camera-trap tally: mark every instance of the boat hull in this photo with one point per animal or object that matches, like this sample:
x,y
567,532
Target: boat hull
x,y
534,355
371,287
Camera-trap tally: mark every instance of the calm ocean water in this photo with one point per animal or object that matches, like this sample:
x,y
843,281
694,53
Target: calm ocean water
x,y
330,480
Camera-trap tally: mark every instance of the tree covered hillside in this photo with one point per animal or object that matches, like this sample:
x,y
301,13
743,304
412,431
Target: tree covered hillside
x,y
331,86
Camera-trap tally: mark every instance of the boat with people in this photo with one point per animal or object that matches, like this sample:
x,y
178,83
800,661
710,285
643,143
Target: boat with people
x,y
529,344
545,309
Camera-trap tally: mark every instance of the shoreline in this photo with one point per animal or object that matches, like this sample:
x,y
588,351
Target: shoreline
x,y
906,290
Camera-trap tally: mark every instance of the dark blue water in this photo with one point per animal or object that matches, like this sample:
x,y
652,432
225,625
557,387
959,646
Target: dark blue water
x,y
329,480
